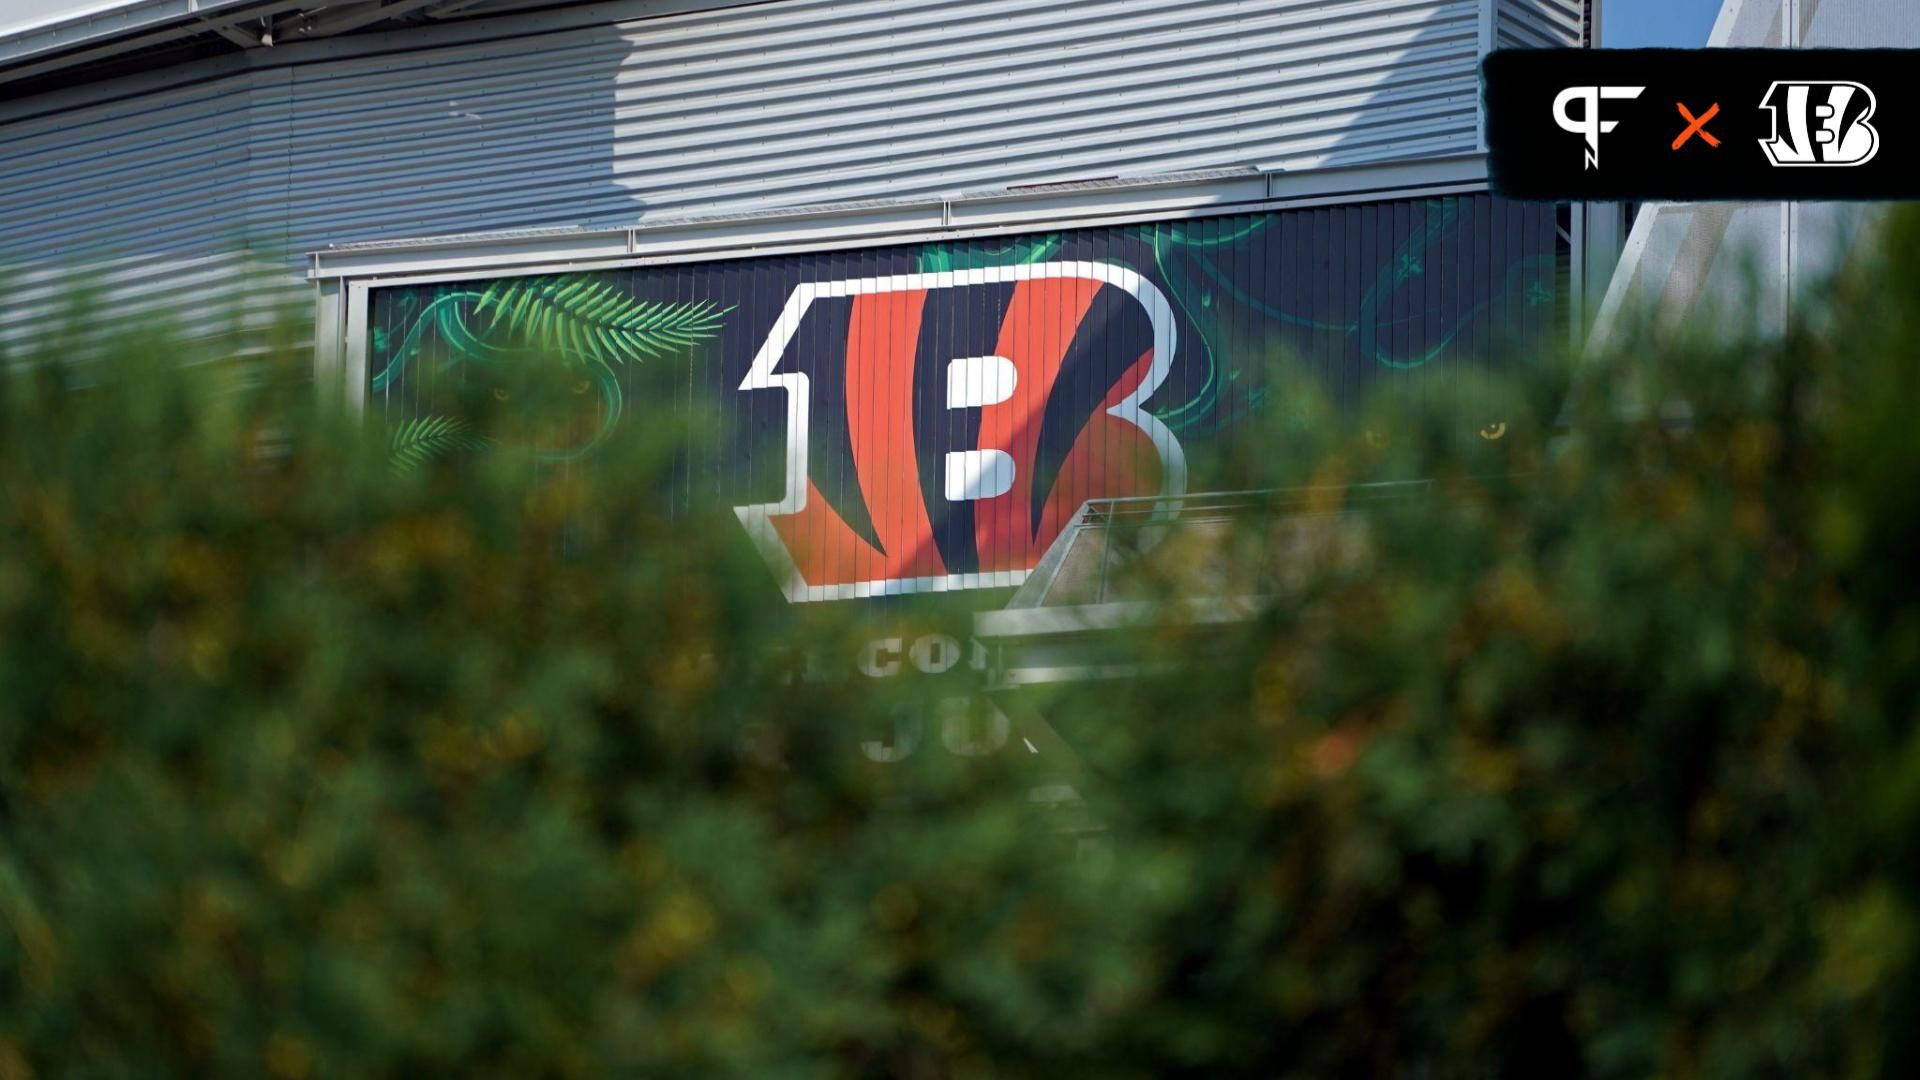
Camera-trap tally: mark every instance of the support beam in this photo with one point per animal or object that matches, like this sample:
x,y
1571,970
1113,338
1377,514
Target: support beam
x,y
108,49
340,20
451,8
233,33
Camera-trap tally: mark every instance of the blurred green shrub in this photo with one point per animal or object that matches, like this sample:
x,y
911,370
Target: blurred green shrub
x,y
1598,763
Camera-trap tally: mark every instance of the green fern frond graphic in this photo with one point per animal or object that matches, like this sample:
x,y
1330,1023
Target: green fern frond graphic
x,y
594,319
417,440
582,323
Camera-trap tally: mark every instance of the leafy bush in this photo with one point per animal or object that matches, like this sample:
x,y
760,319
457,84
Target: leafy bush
x,y
1602,762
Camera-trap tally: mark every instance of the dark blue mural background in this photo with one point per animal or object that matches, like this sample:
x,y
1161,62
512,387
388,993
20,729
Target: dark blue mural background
x,y
1365,298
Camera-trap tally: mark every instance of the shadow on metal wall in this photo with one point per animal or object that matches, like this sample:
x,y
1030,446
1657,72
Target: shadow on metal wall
x,y
193,191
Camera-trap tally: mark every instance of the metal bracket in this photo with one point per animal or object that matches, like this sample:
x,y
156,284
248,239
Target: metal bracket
x,y
340,20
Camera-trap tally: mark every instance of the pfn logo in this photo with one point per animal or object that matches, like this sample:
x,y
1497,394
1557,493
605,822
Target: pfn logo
x,y
942,428
1588,124
1826,124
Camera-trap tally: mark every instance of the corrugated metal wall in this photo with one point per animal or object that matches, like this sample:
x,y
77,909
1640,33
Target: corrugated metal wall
x,y
1540,24
926,417
781,103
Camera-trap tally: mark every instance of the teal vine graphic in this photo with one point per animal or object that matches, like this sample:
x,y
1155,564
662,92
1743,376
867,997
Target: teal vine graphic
x,y
1165,239
935,258
1198,296
590,327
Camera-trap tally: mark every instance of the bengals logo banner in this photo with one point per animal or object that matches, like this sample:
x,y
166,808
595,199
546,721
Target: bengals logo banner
x,y
928,416
960,419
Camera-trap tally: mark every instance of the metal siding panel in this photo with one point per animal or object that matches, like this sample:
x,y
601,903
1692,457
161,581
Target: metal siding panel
x,y
154,181
799,102
1540,24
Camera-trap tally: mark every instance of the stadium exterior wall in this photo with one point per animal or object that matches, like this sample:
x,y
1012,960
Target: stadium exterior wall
x,y
156,186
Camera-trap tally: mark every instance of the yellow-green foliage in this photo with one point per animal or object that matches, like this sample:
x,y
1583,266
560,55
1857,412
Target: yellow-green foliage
x,y
1601,762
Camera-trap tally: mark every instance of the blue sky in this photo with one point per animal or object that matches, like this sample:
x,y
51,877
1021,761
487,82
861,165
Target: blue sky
x,y
1642,24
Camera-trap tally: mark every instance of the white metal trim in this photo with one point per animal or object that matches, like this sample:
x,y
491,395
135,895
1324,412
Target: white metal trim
x,y
354,368
66,42
870,224
102,23
329,330
481,269
997,627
